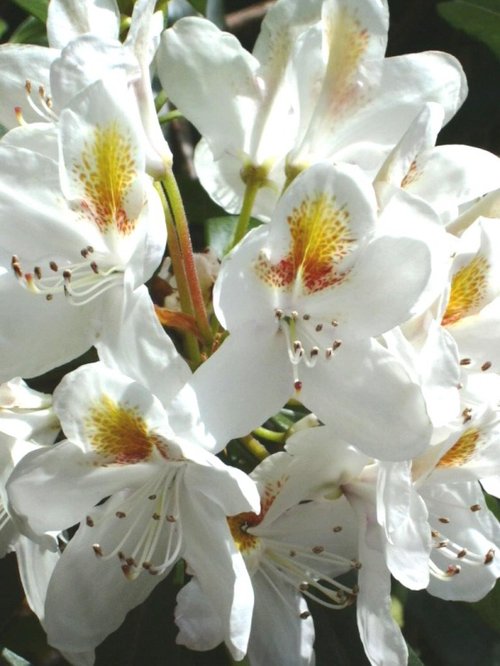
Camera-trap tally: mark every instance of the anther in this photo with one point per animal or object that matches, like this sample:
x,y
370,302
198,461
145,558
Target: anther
x,y
155,516
453,570
318,328
467,414
304,615
27,86
335,323
131,562
90,248
120,514
336,344
462,553
152,497
444,520
488,558
434,534
146,565
318,550
67,275
306,317
294,314
314,352
278,313
84,253
292,553
89,521
53,266
356,564
486,366
328,352
337,528
97,549
38,272
94,267
297,346
170,519
17,270
49,297
475,507
303,587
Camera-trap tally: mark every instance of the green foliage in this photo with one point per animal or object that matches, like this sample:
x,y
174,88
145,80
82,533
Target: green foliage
x,y
219,232
30,31
478,18
199,5
36,8
413,659
3,28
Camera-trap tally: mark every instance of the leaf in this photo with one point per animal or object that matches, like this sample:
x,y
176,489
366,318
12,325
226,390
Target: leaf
x,y
413,659
13,659
37,8
199,5
3,28
219,232
478,18
30,31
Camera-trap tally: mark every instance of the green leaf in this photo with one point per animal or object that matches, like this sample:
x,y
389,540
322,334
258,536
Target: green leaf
x,y
219,232
30,31
478,18
413,660
3,28
199,5
37,8
13,659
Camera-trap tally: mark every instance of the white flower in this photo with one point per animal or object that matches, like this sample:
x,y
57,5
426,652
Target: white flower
x,y
74,231
294,550
316,87
303,299
165,498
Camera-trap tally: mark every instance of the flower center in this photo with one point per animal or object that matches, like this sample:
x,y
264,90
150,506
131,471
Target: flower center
x,y
467,290
305,338
107,172
80,282
462,451
119,434
320,239
143,527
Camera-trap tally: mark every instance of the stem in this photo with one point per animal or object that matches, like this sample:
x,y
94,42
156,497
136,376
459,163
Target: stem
x,y
254,447
186,248
191,344
270,435
160,100
171,115
251,189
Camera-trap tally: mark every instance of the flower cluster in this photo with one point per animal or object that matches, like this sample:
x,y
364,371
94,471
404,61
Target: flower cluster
x,y
324,417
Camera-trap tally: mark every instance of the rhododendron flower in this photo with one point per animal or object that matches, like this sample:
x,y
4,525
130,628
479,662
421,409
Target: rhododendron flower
x,y
167,498
316,87
294,550
303,298
98,223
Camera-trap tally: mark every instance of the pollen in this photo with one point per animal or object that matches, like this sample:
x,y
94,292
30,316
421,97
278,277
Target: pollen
x,y
320,240
239,525
119,433
467,290
106,172
462,451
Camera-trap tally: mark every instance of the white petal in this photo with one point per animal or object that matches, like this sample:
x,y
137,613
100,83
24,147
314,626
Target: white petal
x,y
66,21
198,63
20,63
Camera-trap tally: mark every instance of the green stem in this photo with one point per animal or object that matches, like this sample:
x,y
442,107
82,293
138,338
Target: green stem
x,y
270,435
191,344
251,189
171,115
182,228
254,447
160,100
